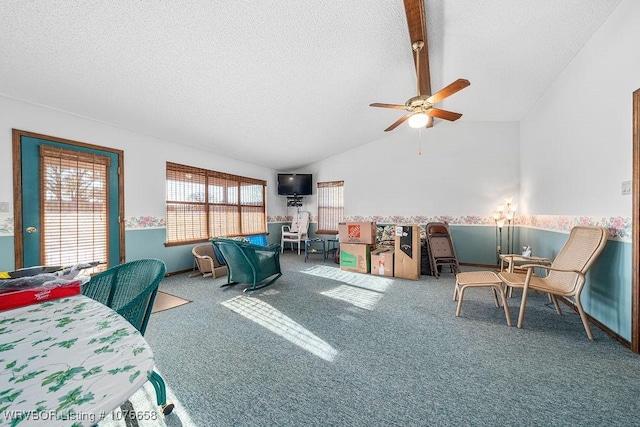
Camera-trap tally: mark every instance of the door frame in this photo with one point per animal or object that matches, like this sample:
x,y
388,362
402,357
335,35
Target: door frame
x,y
635,228
18,234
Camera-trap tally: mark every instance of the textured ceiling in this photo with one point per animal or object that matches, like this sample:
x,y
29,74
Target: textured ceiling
x,y
281,84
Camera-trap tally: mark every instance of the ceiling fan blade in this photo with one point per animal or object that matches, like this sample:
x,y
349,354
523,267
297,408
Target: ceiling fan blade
x,y
395,106
398,122
417,21
448,91
443,114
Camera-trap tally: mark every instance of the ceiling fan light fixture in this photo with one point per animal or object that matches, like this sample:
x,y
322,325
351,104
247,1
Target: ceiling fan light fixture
x,y
418,120
421,111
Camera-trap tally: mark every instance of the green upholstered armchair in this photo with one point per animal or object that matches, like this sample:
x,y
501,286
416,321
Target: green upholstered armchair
x,y
249,263
130,290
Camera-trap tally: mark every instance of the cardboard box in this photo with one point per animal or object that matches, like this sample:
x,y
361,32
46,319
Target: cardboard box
x,y
357,232
407,252
382,262
355,257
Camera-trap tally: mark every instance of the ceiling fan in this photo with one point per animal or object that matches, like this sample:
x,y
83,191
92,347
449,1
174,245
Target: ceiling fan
x,y
421,108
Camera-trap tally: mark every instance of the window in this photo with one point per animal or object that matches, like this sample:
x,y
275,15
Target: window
x,y
330,206
202,204
75,206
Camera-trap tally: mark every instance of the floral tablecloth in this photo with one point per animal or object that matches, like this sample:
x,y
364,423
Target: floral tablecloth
x,y
68,362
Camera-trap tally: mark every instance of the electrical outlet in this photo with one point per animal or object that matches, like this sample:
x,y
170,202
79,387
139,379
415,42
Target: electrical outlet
x,y
4,207
626,188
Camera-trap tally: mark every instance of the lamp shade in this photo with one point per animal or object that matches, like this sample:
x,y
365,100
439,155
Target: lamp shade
x,y
418,120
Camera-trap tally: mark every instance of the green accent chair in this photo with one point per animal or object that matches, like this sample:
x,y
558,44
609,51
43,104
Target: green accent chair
x,y
249,263
130,289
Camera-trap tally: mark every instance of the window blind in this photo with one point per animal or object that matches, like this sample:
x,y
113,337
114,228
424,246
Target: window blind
x,y
202,204
330,206
74,193
186,208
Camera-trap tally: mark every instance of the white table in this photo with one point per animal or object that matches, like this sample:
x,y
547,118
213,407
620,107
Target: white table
x,y
70,361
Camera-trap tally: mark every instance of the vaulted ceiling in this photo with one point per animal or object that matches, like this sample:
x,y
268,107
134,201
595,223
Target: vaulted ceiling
x,y
281,84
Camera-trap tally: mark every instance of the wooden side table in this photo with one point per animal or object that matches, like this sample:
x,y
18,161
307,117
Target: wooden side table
x,y
513,261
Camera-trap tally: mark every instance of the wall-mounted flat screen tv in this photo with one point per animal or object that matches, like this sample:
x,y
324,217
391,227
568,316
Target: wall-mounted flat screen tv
x,y
294,184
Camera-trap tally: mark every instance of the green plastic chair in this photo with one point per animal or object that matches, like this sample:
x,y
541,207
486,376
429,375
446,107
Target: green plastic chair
x,y
130,290
250,263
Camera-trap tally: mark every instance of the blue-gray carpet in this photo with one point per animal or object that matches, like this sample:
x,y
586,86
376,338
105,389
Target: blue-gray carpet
x,y
323,348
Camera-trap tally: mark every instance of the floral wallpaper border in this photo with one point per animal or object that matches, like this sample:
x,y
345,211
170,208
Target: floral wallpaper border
x,y
136,222
6,226
619,227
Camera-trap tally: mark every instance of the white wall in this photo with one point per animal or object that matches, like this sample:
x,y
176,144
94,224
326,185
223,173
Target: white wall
x,y
465,168
576,142
144,157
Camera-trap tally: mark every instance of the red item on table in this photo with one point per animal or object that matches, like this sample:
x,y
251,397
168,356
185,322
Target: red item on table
x,y
20,298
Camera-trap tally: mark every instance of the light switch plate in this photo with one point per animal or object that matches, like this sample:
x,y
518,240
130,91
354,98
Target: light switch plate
x,y
626,187
4,207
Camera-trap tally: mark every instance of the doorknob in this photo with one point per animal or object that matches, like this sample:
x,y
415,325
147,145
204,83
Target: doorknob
x,y
31,230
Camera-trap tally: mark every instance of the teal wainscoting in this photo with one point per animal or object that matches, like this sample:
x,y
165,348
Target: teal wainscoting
x,y
275,233
149,243
473,244
313,227
7,257
476,244
607,294
139,243
274,230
